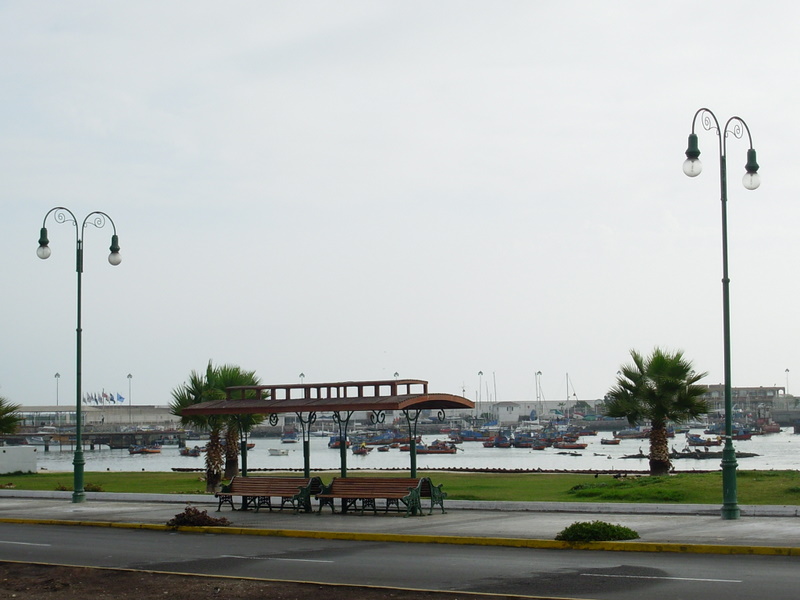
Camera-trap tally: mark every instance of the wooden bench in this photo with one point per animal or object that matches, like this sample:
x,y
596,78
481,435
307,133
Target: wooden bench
x,y
393,490
259,491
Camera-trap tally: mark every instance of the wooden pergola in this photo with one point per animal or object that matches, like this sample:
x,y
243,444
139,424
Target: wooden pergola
x,y
305,400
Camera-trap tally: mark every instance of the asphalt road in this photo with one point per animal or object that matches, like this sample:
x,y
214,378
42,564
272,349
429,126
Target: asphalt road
x,y
500,570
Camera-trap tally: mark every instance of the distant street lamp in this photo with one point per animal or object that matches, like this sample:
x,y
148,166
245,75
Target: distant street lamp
x,y
130,400
58,414
538,379
96,219
751,180
786,391
480,384
302,377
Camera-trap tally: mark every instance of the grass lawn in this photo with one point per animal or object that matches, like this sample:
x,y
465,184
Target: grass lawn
x,y
754,487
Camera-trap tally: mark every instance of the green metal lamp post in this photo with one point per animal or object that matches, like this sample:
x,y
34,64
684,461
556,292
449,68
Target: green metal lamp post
x,y
692,167
96,219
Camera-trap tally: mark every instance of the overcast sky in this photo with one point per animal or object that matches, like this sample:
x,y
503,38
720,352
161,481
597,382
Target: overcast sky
x,y
354,189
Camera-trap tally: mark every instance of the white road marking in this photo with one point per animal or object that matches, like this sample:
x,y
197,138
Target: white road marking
x,y
272,558
671,578
23,543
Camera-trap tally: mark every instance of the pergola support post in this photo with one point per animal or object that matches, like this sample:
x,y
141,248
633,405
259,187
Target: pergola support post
x,y
342,423
411,420
305,434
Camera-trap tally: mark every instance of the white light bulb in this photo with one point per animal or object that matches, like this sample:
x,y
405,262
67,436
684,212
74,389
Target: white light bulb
x,y
43,252
692,167
751,181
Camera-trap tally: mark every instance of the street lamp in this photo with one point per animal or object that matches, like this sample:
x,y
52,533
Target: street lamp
x,y
480,384
130,400
58,414
96,219
751,180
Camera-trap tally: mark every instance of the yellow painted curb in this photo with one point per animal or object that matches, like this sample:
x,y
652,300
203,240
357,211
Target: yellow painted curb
x,y
443,539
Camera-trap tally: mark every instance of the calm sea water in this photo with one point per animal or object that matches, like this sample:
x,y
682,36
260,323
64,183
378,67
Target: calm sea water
x,y
776,451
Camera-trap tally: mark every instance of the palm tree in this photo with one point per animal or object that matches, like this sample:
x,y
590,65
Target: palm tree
x,y
203,388
227,376
660,388
9,416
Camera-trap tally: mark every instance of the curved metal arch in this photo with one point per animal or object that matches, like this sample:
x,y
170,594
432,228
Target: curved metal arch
x,y
735,126
377,416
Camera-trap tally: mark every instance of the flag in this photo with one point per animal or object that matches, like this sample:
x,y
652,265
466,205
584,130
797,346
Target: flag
x,y
120,398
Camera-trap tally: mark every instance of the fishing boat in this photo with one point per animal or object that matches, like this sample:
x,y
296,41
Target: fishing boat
x,y
383,448
569,445
635,434
138,449
390,436
610,441
289,437
362,450
437,447
278,452
471,435
190,451
335,441
697,440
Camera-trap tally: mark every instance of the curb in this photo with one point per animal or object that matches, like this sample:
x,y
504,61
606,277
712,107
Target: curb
x,y
747,510
443,539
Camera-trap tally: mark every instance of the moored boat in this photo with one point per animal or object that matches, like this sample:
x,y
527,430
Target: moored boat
x,y
152,449
437,447
697,440
569,445
610,441
289,437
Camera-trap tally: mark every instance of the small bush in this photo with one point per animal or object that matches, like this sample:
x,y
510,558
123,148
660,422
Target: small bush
x,y
191,517
92,487
596,531
60,487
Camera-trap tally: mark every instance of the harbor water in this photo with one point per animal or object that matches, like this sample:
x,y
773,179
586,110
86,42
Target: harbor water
x,y
778,451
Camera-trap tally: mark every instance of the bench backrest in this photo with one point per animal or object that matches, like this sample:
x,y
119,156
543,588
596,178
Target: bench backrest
x,y
375,485
271,485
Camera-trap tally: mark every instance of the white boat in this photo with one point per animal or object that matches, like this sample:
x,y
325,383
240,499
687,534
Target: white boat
x,y
278,452
322,433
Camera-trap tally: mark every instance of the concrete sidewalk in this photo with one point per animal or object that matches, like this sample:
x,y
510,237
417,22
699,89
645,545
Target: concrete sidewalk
x,y
773,530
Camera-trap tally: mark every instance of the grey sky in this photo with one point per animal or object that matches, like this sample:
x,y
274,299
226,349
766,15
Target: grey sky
x,y
353,189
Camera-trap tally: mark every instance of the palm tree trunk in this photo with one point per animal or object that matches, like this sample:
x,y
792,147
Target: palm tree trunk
x,y
231,452
213,462
659,450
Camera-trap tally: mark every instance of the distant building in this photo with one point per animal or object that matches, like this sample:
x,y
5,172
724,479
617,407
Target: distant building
x,y
109,416
750,400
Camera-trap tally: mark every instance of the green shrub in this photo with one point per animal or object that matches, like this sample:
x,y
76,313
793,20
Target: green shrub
x,y
92,487
191,517
596,531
